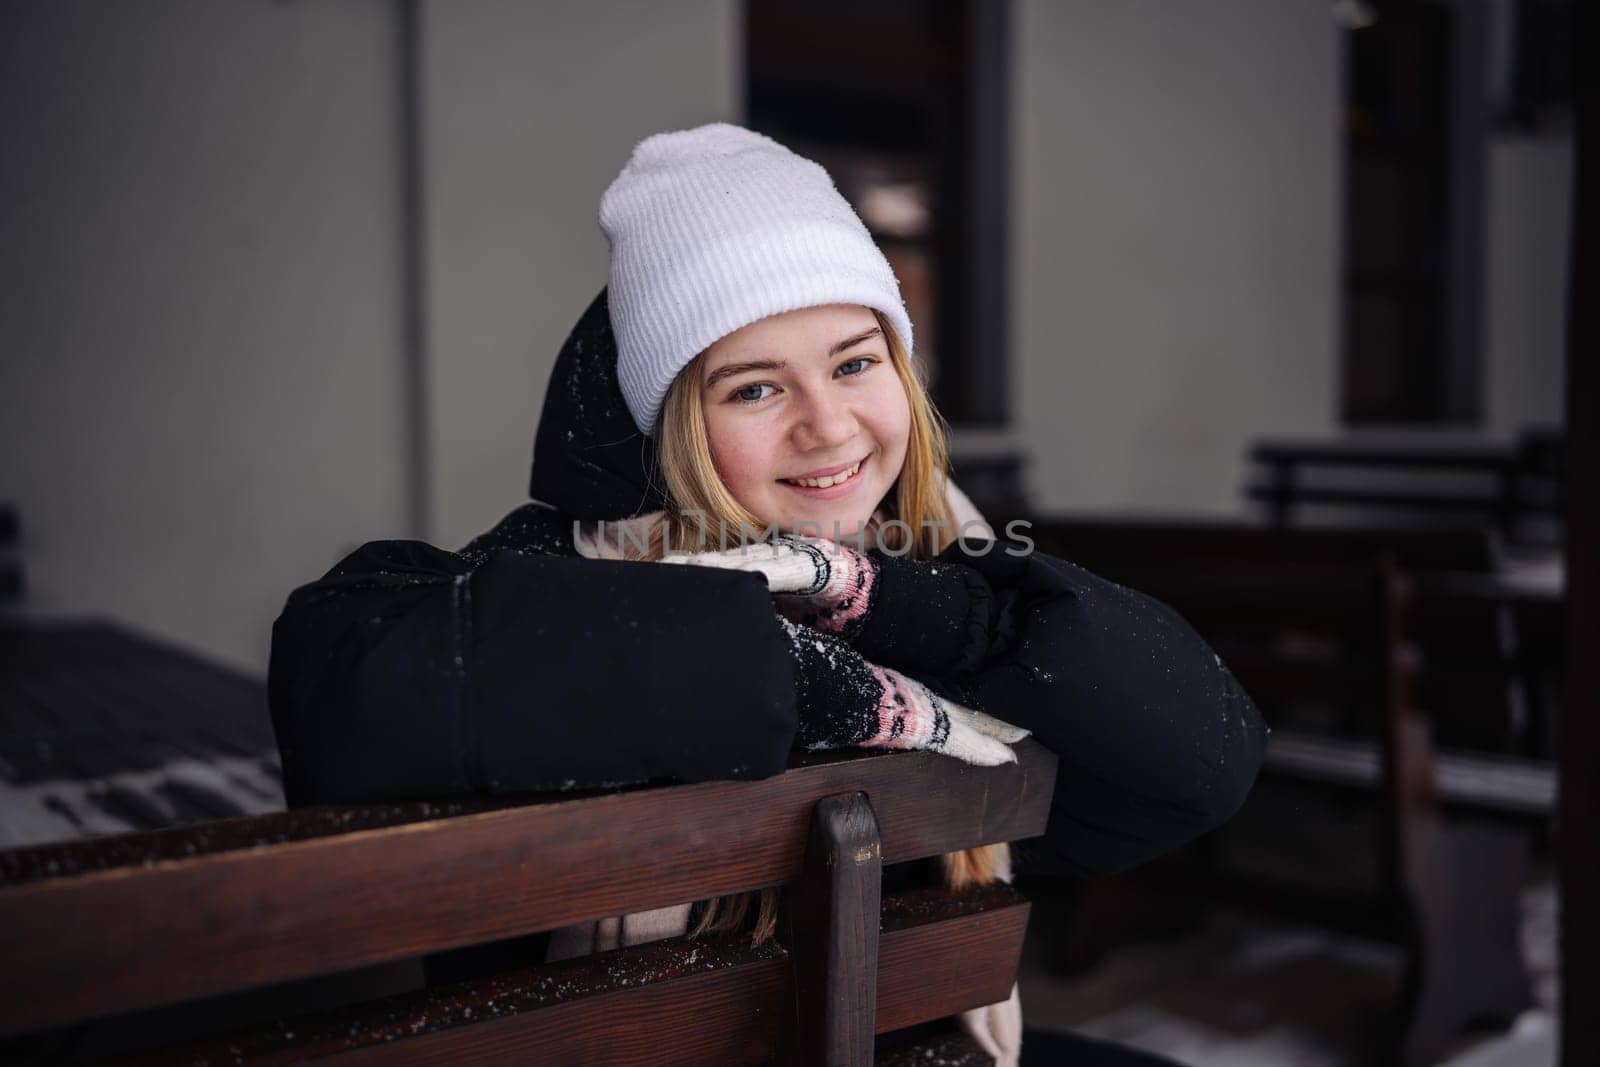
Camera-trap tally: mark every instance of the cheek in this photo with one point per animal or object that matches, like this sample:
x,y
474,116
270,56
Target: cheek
x,y
890,416
742,455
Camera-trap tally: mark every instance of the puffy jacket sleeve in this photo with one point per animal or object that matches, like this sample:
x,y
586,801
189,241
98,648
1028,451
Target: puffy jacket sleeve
x,y
1157,742
407,671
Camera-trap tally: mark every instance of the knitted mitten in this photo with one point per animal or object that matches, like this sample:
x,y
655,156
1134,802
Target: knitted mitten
x,y
839,603
819,583
846,701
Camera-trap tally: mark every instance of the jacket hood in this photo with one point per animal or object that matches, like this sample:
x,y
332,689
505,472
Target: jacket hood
x,y
589,460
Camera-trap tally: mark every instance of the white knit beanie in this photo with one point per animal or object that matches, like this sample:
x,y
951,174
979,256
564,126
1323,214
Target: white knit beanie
x,y
714,228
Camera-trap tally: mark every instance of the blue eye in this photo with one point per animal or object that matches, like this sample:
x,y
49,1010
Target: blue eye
x,y
744,395
863,360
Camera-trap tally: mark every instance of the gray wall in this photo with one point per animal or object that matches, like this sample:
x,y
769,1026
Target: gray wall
x,y
199,305
1527,233
1175,243
531,111
201,322
204,383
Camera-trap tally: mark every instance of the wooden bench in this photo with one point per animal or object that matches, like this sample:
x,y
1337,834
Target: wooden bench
x,y
1317,627
187,945
109,730
1507,486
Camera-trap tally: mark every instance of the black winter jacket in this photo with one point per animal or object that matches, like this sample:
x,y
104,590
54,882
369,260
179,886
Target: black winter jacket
x,y
517,665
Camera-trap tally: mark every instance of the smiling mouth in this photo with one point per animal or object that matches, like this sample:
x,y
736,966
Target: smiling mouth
x,y
828,480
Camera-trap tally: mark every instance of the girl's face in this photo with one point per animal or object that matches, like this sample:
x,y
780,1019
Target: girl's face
x,y
805,398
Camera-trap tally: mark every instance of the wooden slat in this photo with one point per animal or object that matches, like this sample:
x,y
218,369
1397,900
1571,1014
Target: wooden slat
x,y
728,1018
832,915
126,938
1499,785
941,952
32,863
631,1006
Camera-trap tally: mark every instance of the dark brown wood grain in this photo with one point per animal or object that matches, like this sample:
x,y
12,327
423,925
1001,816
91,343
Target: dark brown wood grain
x,y
709,1001
728,1018
948,960
832,916
589,1009
125,938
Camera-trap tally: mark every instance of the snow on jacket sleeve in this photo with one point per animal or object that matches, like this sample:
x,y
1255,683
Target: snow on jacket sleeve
x,y
407,672
1157,742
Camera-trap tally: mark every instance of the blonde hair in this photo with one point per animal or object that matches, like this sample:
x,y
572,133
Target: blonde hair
x,y
927,526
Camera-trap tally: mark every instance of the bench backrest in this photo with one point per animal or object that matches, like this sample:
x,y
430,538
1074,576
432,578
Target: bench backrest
x,y
1468,484
141,923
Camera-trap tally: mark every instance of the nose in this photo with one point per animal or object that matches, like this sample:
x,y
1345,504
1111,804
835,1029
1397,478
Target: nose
x,y
824,420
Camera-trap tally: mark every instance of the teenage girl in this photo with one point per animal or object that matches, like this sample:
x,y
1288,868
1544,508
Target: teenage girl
x,y
742,402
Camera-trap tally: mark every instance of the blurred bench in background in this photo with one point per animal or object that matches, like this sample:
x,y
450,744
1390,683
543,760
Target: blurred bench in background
x,y
295,936
1321,627
104,730
1516,489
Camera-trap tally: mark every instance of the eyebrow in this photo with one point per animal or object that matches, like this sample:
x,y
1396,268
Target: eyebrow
x,y
851,342
739,368
778,364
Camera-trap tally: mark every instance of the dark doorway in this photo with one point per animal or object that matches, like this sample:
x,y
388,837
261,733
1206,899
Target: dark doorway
x,y
1414,130
903,102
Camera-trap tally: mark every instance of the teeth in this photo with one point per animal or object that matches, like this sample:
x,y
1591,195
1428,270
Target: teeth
x,y
831,479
